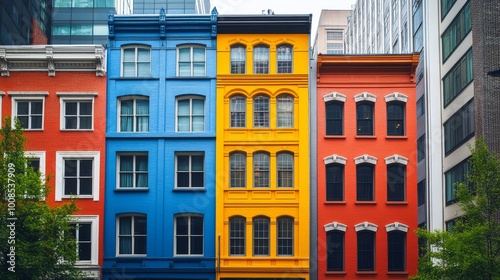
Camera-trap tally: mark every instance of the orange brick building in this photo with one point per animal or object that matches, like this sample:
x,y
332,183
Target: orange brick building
x,y
366,167
58,93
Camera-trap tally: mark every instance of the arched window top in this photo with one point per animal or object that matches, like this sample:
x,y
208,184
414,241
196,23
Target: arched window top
x,y
285,217
365,159
396,159
260,217
261,96
237,217
181,214
238,45
191,45
335,226
365,96
334,96
135,45
396,96
396,226
366,226
261,45
238,96
237,152
335,159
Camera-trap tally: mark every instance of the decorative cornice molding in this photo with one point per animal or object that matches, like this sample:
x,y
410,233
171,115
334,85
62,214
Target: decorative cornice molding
x,y
334,96
396,226
396,96
365,96
366,226
52,58
365,159
335,226
335,159
396,159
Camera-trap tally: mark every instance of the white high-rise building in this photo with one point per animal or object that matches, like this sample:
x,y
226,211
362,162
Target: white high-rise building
x,y
332,26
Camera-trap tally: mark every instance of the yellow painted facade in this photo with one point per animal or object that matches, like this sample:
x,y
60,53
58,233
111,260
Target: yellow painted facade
x,y
248,202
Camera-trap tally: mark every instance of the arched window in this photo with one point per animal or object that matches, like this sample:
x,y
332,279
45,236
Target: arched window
x,y
237,170
261,236
261,59
285,236
261,170
285,170
237,233
261,111
136,61
237,107
284,106
238,59
284,58
133,114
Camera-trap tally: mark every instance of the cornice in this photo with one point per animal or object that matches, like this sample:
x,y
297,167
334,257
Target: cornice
x,y
53,58
263,79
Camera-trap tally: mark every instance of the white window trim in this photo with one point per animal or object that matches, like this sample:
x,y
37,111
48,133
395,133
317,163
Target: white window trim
x,y
41,156
396,226
334,96
190,154
191,57
134,97
2,93
190,98
396,96
94,237
365,159
118,159
335,226
335,159
60,156
190,215
75,97
396,159
117,233
136,61
28,95
366,226
365,96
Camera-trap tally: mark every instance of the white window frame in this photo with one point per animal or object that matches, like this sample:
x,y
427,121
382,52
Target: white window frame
x,y
132,224
27,96
76,97
134,98
61,157
189,234
190,171
191,60
136,60
94,237
2,93
191,115
289,113
118,160
40,155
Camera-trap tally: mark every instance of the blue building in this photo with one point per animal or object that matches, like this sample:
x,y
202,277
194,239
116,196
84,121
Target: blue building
x,y
160,147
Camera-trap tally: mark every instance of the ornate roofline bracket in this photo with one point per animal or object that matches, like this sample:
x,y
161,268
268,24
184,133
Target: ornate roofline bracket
x,y
4,63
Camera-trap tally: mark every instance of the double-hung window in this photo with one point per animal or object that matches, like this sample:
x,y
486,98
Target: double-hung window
x,y
132,171
261,59
261,236
238,59
284,58
190,114
191,61
136,61
396,118
364,118
396,182
84,230
132,235
261,170
30,113
366,250
189,235
237,230
335,250
285,170
237,167
190,171
334,118
396,251
134,114
261,111
365,182
284,110
334,182
78,114
237,107
77,175
285,236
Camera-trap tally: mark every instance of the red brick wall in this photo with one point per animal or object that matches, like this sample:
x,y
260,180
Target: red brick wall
x,y
37,35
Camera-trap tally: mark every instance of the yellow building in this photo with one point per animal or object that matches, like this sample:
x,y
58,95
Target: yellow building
x,y
262,161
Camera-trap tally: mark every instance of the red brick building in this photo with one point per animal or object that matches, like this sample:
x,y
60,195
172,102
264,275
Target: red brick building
x,y
59,95
366,166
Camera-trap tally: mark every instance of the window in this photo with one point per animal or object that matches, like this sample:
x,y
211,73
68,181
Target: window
x,y
396,182
85,231
284,105
285,170
334,35
261,170
134,114
261,236
366,250
191,61
334,118
364,118
335,182
420,107
456,31
421,148
261,111
237,230
189,235
458,78
421,190
132,235
190,171
459,128
335,250
133,170
136,62
284,58
77,114
261,59
395,118
365,182
29,113
285,236
238,59
446,7
238,111
454,176
396,241
190,114
237,165
77,174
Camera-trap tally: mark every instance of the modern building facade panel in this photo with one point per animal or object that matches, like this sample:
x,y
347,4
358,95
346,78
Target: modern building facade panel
x,y
25,22
172,6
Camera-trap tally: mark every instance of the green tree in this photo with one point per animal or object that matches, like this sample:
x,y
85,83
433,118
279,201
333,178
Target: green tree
x,y
470,250
35,239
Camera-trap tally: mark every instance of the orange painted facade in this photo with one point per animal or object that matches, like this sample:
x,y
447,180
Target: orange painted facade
x,y
377,80
52,139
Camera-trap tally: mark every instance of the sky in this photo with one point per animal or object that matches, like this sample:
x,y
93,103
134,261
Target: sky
x,y
282,7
